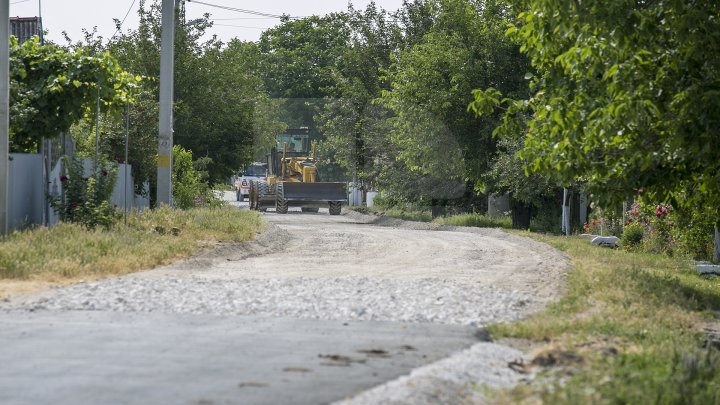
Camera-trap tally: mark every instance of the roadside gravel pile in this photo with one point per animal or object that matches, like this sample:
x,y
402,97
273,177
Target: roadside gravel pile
x,y
341,298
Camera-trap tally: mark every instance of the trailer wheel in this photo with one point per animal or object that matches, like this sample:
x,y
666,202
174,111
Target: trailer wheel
x,y
281,204
335,207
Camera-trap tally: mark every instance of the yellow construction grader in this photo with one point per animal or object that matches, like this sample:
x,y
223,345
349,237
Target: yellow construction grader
x,y
292,179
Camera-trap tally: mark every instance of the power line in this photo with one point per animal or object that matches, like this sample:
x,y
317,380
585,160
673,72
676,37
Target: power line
x,y
238,10
261,14
238,26
244,18
123,20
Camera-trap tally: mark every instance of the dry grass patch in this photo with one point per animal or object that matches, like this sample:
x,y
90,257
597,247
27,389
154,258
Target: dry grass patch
x,y
69,251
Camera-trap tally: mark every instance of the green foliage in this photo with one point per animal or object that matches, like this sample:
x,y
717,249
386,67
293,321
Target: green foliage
x,y
86,200
632,236
409,213
680,378
219,110
545,214
693,229
354,126
52,88
189,190
605,222
536,192
302,65
664,229
432,85
625,96
299,56
657,223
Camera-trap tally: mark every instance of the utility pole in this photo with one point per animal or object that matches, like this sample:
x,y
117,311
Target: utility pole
x,y
4,114
165,135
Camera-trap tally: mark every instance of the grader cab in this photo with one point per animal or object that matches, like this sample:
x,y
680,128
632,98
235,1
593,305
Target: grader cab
x,y
292,179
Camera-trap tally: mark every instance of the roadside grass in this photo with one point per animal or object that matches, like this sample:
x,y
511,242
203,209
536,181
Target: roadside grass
x,y
69,251
628,330
475,220
417,215
425,215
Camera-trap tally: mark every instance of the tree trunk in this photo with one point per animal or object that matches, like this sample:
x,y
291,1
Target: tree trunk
x,y
520,214
716,254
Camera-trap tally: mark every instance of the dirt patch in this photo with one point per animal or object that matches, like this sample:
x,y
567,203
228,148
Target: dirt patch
x,y
513,262
10,289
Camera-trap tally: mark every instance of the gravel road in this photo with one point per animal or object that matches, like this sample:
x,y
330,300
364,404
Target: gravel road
x,y
354,267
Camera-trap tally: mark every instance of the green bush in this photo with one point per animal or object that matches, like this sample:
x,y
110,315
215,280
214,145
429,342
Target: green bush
x,y
694,231
86,200
189,189
632,236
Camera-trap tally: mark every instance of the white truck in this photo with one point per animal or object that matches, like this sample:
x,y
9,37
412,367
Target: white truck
x,y
253,171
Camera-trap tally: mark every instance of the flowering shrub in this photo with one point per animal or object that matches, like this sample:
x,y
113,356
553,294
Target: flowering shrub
x,y
670,231
86,200
650,228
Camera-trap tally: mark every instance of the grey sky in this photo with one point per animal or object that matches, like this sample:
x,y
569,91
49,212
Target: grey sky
x,y
73,15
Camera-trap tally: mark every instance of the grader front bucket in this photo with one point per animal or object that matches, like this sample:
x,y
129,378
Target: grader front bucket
x,y
304,194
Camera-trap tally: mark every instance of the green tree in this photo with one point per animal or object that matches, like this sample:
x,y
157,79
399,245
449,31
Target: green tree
x,y
626,98
299,60
432,82
217,91
354,126
300,56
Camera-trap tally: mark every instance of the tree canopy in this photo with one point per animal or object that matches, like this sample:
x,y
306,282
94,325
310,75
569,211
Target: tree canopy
x,y
626,97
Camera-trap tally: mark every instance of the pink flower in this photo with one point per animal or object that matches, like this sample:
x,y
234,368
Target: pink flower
x,y
105,173
661,210
64,178
73,205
